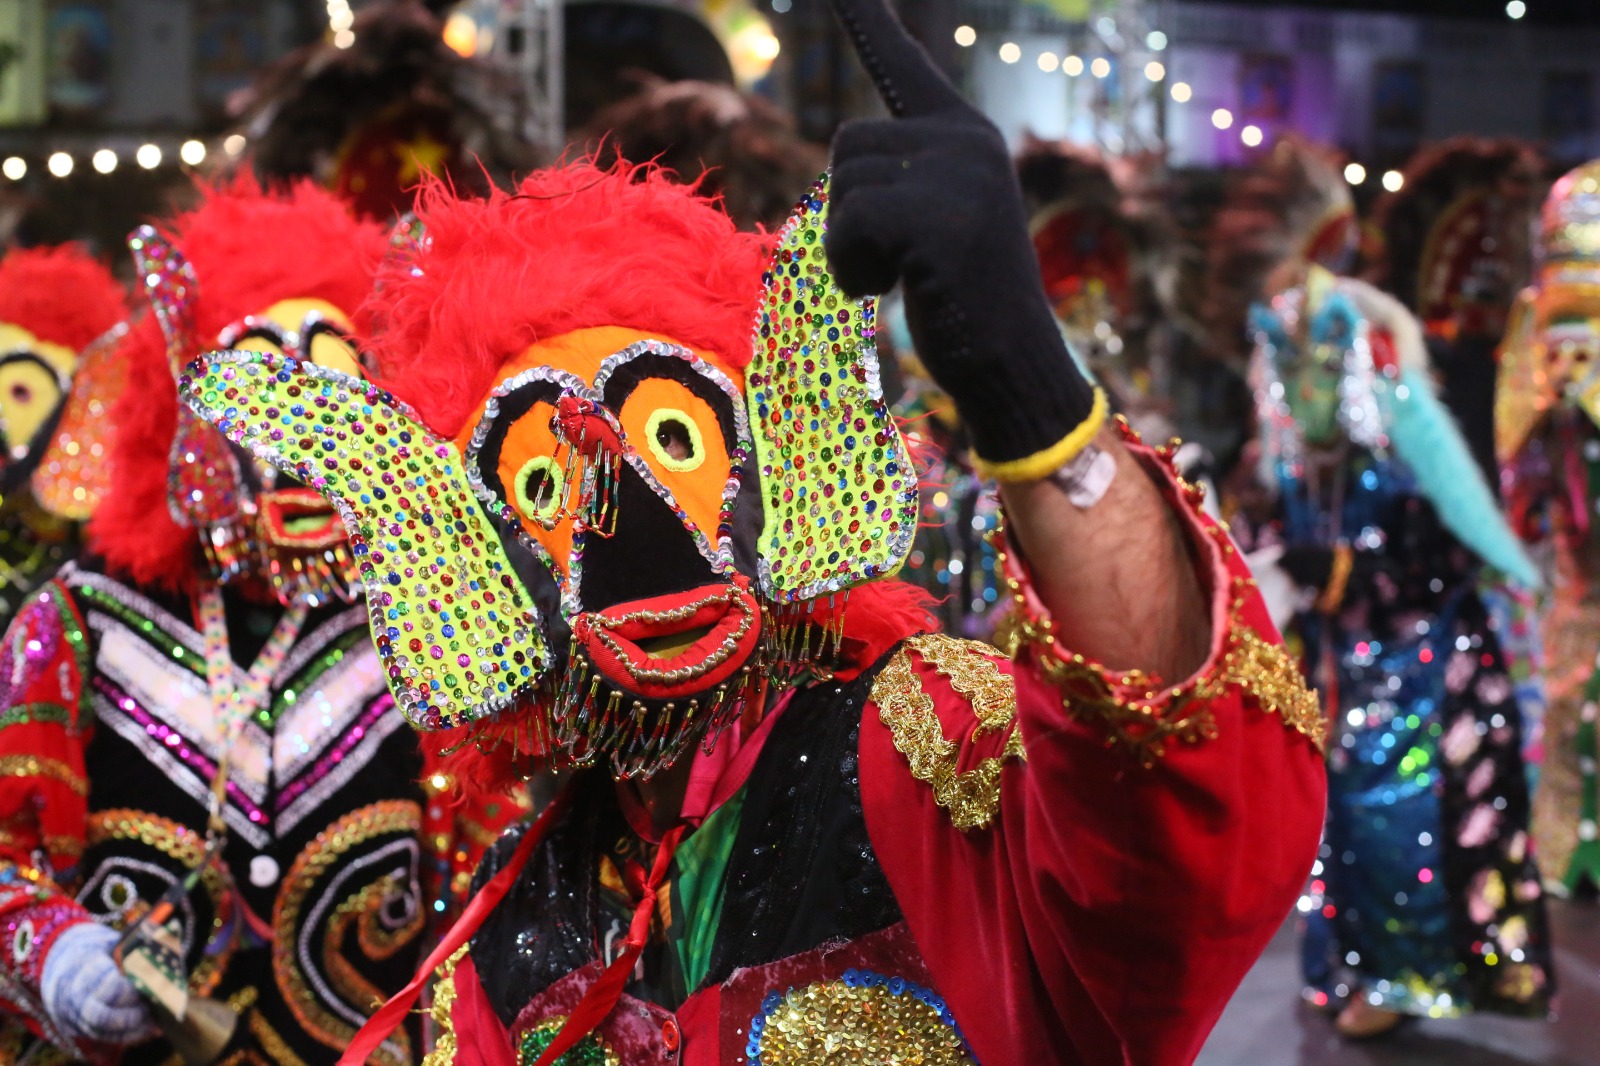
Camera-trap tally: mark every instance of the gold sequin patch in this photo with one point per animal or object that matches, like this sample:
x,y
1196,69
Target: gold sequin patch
x,y
862,1017
54,769
973,797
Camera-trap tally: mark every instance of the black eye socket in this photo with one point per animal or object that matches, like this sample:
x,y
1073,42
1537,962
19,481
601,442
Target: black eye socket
x,y
540,488
675,439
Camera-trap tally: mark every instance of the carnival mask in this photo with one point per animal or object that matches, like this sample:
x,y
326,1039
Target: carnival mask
x,y
34,377
251,521
577,546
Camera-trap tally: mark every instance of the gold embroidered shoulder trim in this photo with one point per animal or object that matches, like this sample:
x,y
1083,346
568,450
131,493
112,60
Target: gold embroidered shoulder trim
x,y
444,1003
972,798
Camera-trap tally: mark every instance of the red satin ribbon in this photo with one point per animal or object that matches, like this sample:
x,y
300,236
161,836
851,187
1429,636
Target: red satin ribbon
x,y
602,996
392,1014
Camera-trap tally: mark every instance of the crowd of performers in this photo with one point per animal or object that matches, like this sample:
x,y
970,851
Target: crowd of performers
x,y
493,612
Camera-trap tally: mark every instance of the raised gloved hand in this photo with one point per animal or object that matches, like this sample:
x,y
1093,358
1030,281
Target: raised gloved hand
x,y
930,197
85,992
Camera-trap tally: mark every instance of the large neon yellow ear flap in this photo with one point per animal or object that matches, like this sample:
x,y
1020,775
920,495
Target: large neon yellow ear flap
x,y
838,488
458,636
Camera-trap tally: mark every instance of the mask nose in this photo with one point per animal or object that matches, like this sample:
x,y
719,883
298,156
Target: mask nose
x,y
586,427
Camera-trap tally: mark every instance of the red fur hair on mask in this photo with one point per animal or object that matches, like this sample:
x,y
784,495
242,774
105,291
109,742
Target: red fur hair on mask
x,y
62,295
575,246
249,248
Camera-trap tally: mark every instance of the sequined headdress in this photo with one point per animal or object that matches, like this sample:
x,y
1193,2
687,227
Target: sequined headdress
x,y
648,458
1551,351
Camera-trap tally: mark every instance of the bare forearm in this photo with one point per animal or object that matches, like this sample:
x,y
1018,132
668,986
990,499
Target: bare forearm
x,y
1117,578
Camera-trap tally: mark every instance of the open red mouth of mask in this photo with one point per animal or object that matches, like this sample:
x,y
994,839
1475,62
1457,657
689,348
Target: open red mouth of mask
x,y
674,645
298,518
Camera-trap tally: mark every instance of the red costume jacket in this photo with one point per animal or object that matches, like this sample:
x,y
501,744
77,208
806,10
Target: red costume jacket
x,y
1080,867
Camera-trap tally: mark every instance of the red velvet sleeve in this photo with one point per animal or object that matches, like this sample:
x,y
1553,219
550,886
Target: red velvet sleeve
x,y
1090,863
43,795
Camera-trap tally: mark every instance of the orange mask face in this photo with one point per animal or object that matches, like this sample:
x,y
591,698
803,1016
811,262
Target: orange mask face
x,y
673,415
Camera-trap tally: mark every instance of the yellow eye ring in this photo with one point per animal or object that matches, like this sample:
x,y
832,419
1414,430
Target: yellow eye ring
x,y
547,503
697,446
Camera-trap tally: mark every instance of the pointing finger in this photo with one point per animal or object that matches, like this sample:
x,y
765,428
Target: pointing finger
x,y
906,78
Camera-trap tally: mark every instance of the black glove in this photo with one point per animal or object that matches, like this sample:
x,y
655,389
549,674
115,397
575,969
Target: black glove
x,y
930,197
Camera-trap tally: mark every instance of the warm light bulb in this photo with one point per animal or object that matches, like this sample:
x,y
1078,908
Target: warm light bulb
x,y
966,36
1393,180
60,164
1355,173
1010,52
193,153
1181,92
1251,136
233,145
15,168
1100,67
104,161
1222,118
1072,66
148,156
1048,62
1155,70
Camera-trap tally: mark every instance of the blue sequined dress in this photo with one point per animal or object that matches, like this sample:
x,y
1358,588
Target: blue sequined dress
x,y
1425,898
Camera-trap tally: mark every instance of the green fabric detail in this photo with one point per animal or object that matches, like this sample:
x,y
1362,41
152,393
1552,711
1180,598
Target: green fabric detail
x,y
76,635
23,713
587,1052
702,866
160,639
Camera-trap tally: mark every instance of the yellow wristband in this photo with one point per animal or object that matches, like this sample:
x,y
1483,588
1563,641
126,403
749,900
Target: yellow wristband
x,y
1041,464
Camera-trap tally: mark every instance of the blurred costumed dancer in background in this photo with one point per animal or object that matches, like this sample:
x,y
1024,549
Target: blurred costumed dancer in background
x,y
369,120
1452,244
204,680
1291,210
729,144
57,306
1425,899
1547,407
798,819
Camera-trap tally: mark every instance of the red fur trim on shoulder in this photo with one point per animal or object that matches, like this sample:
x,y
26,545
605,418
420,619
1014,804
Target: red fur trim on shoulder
x,y
62,295
575,246
250,249
879,615
476,777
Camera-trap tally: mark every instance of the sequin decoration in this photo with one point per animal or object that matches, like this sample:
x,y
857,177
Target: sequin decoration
x,y
863,1017
205,487
590,1051
457,634
837,481
74,474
